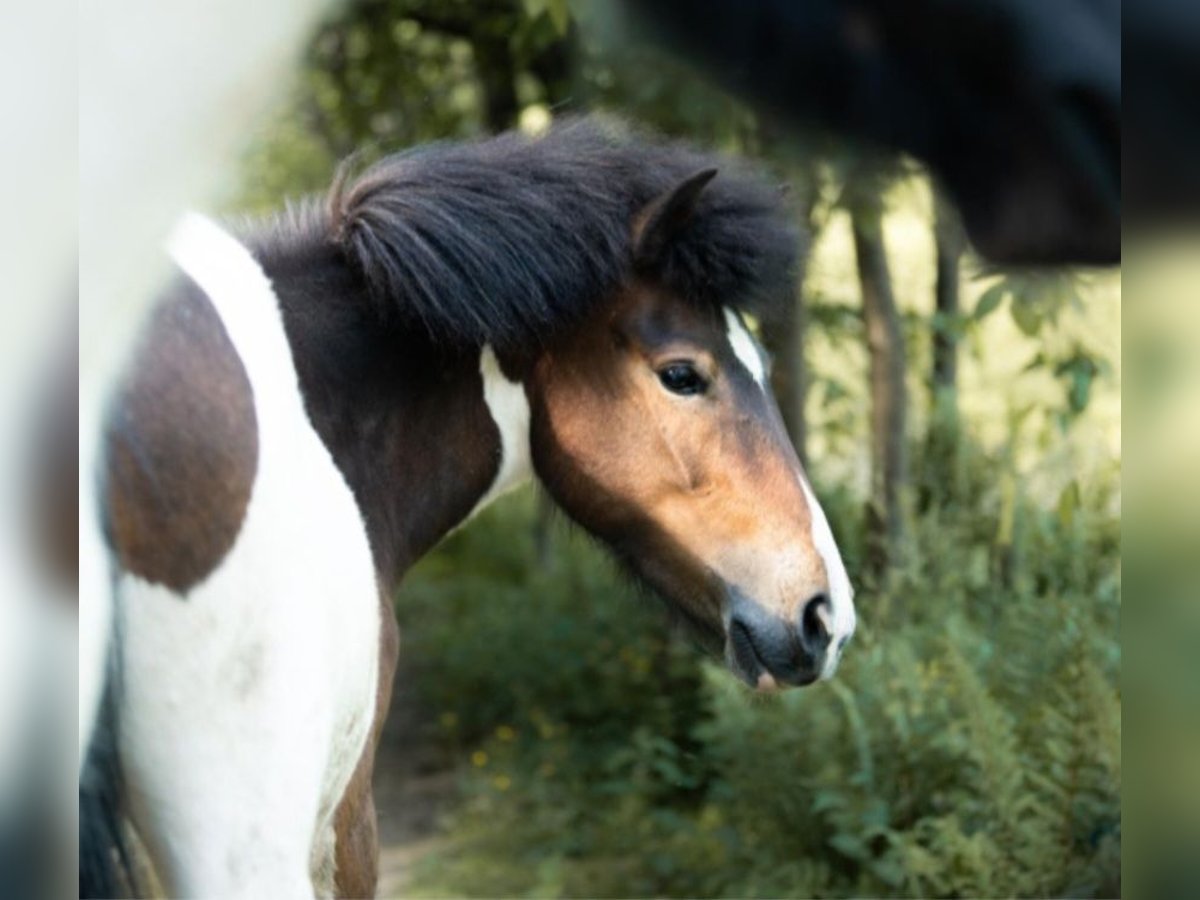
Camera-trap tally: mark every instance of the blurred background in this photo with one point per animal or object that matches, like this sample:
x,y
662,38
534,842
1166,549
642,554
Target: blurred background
x,y
551,736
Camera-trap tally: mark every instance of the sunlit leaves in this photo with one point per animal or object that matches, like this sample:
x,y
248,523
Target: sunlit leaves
x,y
1077,369
556,11
1037,301
1036,297
990,299
1068,504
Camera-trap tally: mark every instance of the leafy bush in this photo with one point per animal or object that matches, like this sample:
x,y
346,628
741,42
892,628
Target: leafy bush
x,y
970,745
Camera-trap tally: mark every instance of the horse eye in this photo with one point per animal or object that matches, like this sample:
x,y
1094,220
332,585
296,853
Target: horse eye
x,y
682,378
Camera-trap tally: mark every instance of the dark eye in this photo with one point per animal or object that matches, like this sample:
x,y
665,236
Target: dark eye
x,y
682,378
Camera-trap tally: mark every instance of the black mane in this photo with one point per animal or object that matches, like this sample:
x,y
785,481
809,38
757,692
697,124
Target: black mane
x,y
507,240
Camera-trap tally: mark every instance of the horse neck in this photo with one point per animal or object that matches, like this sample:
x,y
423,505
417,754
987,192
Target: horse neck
x,y
424,436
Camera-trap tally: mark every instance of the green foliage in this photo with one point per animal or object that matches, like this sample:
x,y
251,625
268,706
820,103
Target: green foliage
x,y
544,633
1038,301
970,745
382,75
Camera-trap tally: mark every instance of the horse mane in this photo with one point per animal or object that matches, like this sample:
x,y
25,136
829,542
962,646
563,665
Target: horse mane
x,y
508,240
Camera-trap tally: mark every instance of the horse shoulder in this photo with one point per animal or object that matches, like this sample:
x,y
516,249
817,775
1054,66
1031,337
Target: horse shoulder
x,y
181,446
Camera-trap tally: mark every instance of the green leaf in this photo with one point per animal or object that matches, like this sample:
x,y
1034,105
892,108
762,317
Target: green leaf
x,y
1027,316
849,845
1081,389
834,391
560,15
990,299
827,799
556,11
1008,508
890,871
1068,504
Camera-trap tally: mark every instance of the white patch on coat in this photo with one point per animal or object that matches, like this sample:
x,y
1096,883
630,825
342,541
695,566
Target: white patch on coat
x,y
745,347
247,702
842,619
509,408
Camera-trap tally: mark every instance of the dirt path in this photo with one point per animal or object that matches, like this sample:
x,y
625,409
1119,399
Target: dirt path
x,y
413,788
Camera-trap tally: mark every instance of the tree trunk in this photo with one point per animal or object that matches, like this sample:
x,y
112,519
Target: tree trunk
x,y
885,347
555,68
940,462
497,74
950,242
783,336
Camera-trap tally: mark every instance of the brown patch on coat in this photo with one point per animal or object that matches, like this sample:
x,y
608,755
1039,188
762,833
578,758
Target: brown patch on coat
x,y
182,446
696,493
355,823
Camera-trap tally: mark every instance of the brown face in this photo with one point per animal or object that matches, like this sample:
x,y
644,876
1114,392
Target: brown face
x,y
653,429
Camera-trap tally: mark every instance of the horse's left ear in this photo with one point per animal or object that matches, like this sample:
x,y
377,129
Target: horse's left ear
x,y
662,217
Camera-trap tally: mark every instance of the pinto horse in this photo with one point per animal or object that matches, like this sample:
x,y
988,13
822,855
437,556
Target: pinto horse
x,y
315,404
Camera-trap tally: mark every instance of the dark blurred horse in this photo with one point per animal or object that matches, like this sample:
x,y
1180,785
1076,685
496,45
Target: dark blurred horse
x,y
1015,104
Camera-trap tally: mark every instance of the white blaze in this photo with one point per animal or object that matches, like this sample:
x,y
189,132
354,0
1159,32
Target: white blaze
x,y
842,621
509,408
745,347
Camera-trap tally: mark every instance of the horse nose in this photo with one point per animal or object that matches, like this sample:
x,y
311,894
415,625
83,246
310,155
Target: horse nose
x,y
816,625
785,651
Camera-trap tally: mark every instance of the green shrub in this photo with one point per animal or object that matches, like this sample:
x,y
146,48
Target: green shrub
x,y
970,745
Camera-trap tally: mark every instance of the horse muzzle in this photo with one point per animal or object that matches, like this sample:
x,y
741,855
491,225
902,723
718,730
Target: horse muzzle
x,y
768,651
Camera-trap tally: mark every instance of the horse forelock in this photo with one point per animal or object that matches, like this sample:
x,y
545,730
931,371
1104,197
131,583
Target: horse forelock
x,y
508,241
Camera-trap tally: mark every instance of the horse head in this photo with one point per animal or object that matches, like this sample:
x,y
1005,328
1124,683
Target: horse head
x,y
655,428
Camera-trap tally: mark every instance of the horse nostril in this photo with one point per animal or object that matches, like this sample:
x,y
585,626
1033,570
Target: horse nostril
x,y
792,651
744,650
814,624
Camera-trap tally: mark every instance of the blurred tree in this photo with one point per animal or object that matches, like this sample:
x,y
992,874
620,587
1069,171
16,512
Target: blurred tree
x,y
939,459
387,73
886,355
950,243
783,336
783,331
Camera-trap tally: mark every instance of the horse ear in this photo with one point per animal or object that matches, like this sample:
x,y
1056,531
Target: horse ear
x,y
662,217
